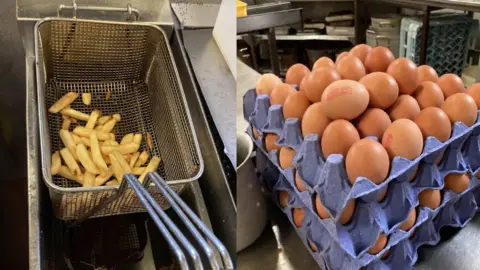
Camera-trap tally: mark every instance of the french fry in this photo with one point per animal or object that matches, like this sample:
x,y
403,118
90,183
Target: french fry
x,y
117,117
111,136
142,159
99,127
151,167
86,141
88,179
113,182
127,138
122,149
110,143
134,158
127,158
118,167
85,132
56,163
86,160
87,98
69,142
63,102
138,170
74,121
107,159
97,155
108,95
100,180
103,119
70,161
75,114
66,123
65,172
149,141
77,139
108,126
92,119
137,139
123,163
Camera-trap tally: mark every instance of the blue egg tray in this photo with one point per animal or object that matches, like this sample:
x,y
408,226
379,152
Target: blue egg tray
x,y
328,179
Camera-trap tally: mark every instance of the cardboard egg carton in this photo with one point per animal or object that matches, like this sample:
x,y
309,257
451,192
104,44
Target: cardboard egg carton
x,y
455,210
328,179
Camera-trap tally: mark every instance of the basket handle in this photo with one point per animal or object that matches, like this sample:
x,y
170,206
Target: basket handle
x,y
133,12
167,227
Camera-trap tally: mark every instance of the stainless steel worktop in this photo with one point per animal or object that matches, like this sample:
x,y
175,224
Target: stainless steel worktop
x,y
280,248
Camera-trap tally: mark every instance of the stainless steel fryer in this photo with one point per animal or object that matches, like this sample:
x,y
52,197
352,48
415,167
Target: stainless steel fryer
x,y
134,62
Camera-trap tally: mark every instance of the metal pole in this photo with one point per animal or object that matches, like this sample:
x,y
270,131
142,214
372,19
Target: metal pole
x,y
272,44
425,30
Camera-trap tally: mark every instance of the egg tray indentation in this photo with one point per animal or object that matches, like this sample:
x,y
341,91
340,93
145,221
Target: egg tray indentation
x,y
370,218
455,210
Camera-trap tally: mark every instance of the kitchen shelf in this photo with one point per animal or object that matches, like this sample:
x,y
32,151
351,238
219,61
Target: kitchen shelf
x,y
304,37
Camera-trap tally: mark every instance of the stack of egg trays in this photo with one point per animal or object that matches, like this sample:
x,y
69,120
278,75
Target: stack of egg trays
x,y
328,179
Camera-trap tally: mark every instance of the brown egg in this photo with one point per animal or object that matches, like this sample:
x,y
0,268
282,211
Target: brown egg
x,y
428,94
404,71
270,144
283,198
373,122
427,73
338,137
404,107
299,183
379,244
434,122
266,83
383,89
321,211
369,159
461,107
351,68
324,62
312,246
314,120
315,83
456,182
382,195
340,56
296,73
295,105
255,133
345,99
280,93
347,213
450,84
474,92
298,215
403,138
430,198
361,51
378,59
286,157
408,224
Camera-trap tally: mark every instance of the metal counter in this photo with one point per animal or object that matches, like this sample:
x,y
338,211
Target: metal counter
x,y
280,248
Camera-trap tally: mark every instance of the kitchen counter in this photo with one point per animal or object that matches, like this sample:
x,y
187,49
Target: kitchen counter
x,y
280,248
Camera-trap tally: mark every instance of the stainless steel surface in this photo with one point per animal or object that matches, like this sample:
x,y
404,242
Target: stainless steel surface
x,y
139,70
451,4
216,191
267,7
268,20
196,13
132,12
216,83
307,37
157,11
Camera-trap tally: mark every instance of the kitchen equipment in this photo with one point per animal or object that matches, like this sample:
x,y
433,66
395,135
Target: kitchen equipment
x,y
252,212
134,62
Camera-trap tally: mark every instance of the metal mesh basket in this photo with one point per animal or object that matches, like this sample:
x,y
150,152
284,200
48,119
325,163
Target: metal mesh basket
x,y
134,62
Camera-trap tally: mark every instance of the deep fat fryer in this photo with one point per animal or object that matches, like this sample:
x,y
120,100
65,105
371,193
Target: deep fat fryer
x,y
134,63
